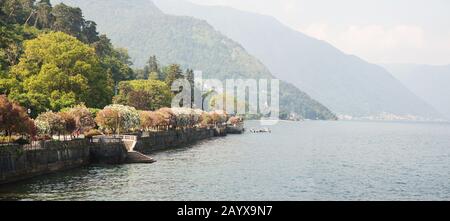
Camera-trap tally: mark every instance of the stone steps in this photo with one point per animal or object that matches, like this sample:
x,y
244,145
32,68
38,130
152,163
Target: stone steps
x,y
136,157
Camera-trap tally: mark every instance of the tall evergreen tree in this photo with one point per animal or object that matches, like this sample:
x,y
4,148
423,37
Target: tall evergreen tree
x,y
89,32
44,17
17,11
103,46
189,76
172,72
152,69
68,20
153,64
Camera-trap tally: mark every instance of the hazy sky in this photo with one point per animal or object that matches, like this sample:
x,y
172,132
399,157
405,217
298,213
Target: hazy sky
x,y
380,31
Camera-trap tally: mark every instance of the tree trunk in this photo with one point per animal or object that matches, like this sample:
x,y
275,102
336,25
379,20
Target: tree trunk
x,y
29,17
11,13
36,21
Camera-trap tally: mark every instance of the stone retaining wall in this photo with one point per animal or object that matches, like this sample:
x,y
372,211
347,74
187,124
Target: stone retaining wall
x,y
17,163
156,141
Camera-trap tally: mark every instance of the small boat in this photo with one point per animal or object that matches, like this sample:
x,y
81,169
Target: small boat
x,y
263,130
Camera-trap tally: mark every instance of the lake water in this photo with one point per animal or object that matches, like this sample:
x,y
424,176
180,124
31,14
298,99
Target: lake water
x,y
297,161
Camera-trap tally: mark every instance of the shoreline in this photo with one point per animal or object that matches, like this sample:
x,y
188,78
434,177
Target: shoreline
x,y
18,163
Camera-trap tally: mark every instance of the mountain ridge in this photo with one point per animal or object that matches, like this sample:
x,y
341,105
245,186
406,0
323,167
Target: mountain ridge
x,y
345,83
191,42
430,82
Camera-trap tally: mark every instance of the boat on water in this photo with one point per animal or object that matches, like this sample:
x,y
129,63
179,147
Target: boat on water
x,y
263,130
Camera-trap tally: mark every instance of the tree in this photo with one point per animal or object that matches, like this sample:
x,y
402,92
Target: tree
x,y
68,20
44,16
89,32
189,76
103,46
2,14
144,94
118,118
51,123
11,38
118,64
152,70
149,120
84,119
108,120
63,70
37,103
17,11
116,61
167,118
70,124
153,64
172,73
14,118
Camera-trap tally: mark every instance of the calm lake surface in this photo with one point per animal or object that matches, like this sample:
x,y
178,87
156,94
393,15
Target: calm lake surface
x,y
297,161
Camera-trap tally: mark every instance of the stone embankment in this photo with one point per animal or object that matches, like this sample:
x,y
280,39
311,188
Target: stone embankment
x,y
23,162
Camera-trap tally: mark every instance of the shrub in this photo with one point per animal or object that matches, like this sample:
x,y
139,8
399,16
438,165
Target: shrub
x,y
50,123
166,117
149,120
118,117
70,125
14,118
83,117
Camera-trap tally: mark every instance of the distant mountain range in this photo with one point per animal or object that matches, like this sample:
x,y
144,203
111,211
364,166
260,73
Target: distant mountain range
x,y
431,83
141,27
346,84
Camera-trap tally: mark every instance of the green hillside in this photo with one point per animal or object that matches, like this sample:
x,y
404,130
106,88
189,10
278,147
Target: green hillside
x,y
141,27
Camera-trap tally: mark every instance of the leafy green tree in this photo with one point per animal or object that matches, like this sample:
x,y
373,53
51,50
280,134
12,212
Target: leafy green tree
x,y
63,70
89,32
116,61
152,70
144,94
103,46
118,64
172,73
37,103
17,11
11,38
68,20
